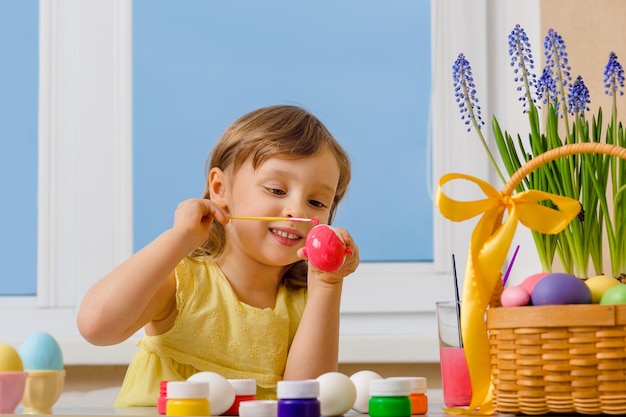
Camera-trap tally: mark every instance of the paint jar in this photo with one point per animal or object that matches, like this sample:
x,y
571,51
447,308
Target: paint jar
x,y
258,408
188,398
390,398
162,398
417,395
298,398
245,390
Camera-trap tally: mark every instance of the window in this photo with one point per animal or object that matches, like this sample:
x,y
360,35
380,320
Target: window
x,y
361,66
85,178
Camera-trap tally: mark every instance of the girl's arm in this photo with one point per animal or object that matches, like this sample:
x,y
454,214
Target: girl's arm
x,y
315,347
142,290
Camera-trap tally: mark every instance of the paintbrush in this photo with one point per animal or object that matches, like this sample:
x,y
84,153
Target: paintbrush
x,y
313,220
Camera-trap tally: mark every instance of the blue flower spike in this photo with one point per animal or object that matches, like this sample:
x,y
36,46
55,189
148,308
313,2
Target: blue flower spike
x,y
522,62
578,98
465,93
613,76
546,88
556,57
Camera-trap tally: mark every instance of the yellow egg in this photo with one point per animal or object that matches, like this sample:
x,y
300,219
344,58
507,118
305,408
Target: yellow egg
x,y
9,359
598,285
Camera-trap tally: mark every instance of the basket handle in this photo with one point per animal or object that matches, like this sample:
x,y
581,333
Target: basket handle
x,y
552,154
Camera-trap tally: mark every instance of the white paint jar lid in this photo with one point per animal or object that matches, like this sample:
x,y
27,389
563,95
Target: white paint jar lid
x,y
258,408
309,388
390,387
188,389
243,386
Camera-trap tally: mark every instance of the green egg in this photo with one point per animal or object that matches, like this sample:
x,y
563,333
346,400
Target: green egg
x,y
614,295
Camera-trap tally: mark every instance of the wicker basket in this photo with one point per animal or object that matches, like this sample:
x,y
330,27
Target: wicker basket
x,y
559,359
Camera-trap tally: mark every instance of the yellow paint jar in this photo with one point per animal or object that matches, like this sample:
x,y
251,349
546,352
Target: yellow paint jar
x,y
188,398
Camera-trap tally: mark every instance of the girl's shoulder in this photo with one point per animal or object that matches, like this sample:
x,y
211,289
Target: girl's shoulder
x,y
199,276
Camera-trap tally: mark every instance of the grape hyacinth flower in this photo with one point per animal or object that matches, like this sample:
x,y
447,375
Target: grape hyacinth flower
x,y
556,59
613,76
546,89
465,95
522,62
578,98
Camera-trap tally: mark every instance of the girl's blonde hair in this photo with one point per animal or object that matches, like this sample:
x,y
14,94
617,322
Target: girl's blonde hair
x,y
281,131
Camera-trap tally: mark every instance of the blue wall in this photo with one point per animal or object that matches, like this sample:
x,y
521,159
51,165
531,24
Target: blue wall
x,y
362,66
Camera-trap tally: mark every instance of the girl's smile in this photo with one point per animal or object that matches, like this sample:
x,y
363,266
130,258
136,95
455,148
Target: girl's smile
x,y
286,236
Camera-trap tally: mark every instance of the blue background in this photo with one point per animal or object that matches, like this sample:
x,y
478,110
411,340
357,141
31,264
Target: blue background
x,y
19,83
361,66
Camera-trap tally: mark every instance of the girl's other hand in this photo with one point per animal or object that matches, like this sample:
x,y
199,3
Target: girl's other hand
x,y
193,218
349,266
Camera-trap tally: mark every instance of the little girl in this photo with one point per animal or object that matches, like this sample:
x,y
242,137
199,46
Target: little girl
x,y
235,297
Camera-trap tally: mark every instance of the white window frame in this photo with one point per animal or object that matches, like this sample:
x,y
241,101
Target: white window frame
x,y
85,178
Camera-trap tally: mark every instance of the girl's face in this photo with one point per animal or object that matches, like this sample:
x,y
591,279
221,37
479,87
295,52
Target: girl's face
x,y
302,187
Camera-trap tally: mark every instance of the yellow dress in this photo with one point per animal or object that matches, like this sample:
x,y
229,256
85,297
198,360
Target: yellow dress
x,y
214,332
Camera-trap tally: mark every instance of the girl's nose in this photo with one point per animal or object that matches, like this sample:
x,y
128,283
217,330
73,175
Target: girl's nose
x,y
294,210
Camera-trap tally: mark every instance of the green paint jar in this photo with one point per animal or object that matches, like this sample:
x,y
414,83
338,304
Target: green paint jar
x,y
390,398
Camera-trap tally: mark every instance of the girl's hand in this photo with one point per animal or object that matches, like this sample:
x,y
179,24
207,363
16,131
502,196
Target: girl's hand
x,y
193,218
349,266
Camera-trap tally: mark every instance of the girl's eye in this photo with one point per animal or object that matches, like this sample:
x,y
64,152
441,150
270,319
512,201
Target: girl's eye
x,y
276,191
317,204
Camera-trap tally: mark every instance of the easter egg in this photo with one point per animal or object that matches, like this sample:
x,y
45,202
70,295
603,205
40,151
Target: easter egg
x,y
10,360
337,394
598,285
615,295
325,248
560,288
515,296
361,380
529,282
41,352
221,392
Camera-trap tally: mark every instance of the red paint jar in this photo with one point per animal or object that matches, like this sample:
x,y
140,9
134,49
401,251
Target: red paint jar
x,y
162,399
245,390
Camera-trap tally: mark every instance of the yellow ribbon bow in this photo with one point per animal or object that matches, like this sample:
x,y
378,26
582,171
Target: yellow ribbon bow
x,y
489,246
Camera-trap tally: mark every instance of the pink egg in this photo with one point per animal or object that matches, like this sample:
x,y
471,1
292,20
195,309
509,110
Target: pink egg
x,y
515,296
529,283
325,248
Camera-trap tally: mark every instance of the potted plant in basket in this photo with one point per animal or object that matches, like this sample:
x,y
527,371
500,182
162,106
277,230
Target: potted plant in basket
x,y
571,201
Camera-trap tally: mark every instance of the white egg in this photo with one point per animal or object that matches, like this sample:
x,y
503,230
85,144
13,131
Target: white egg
x,y
337,394
361,381
221,392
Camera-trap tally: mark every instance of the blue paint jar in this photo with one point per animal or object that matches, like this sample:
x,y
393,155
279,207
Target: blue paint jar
x,y
298,398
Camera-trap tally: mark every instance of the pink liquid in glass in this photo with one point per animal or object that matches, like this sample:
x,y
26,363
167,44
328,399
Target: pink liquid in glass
x,y
457,388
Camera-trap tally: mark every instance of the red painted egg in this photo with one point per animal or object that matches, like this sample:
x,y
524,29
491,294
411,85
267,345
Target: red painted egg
x,y
325,248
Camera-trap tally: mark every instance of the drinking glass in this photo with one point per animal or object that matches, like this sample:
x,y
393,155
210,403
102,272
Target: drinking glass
x,y
455,380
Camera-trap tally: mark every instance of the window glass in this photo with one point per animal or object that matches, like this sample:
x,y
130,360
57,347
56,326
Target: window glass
x,y
363,67
19,34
